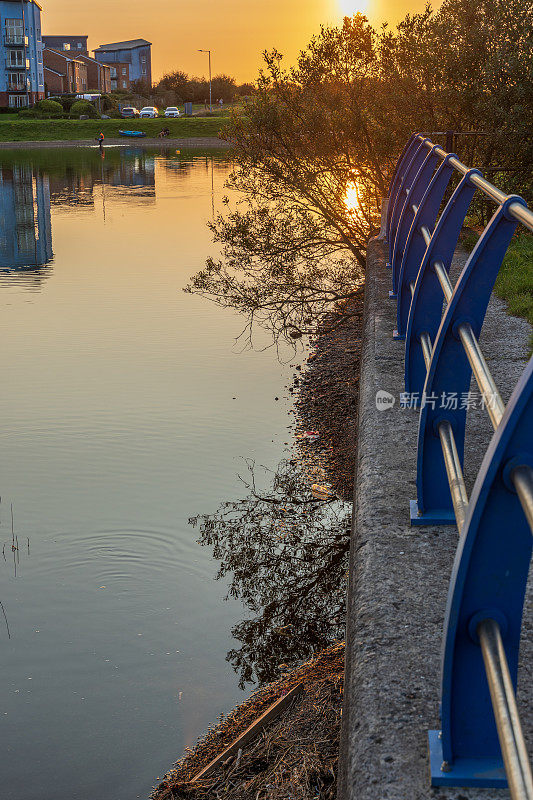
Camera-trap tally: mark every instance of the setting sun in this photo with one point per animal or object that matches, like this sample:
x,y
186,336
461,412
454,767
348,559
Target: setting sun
x,y
351,197
349,7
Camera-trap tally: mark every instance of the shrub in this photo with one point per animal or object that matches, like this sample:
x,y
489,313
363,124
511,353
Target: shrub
x,y
83,107
48,107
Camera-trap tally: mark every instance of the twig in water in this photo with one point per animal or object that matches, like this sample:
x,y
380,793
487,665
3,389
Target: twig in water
x,y
5,617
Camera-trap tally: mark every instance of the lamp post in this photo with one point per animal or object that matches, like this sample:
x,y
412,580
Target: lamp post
x,y
210,96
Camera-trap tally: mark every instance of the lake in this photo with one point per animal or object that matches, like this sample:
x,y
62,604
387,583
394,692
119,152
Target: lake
x,y
126,408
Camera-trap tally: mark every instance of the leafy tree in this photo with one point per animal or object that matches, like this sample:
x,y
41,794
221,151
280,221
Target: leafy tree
x,y
175,82
316,146
287,554
223,87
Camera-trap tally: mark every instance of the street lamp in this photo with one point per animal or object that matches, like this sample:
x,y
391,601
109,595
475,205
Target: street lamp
x,y
210,97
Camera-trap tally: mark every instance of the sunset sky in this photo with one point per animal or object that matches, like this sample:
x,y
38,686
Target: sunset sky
x,y
235,30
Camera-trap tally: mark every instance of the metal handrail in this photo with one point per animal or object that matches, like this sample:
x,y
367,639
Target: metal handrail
x,y
421,244
517,210
510,733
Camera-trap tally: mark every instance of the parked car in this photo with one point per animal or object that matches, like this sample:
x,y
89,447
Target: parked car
x,y
129,111
172,111
149,112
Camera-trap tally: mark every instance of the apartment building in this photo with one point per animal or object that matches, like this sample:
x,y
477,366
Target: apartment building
x,y
74,45
21,61
98,75
64,73
131,60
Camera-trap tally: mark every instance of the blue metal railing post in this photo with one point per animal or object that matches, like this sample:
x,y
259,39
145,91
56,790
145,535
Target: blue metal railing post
x,y
421,169
414,159
397,178
415,246
488,583
425,309
450,373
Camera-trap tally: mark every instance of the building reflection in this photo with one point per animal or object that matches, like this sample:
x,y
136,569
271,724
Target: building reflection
x,y
25,222
119,172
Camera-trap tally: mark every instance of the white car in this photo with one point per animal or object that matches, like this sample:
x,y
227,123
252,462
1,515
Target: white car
x,y
149,112
172,111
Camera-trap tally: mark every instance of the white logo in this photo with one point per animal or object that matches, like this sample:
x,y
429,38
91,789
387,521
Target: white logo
x,y
384,400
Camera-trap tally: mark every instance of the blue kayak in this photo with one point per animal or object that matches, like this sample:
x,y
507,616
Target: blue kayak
x,y
132,133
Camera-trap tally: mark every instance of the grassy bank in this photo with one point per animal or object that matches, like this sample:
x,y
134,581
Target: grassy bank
x,y
515,279
32,130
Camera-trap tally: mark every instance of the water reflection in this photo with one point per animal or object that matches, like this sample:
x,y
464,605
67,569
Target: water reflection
x,y
285,553
25,222
28,190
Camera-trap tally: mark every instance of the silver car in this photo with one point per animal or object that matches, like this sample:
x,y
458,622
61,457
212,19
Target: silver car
x,y
149,112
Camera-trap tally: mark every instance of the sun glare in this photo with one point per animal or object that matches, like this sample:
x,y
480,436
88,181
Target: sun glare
x,y
351,198
349,7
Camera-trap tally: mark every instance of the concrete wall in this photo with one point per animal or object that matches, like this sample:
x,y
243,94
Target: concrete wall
x,y
399,575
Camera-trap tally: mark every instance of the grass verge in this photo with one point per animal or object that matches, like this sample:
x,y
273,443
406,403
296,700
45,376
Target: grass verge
x,y
515,278
45,130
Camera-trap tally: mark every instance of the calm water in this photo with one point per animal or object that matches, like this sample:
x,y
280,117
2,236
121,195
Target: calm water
x,y
118,423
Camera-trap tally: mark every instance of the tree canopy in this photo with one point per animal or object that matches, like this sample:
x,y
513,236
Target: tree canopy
x,y
316,145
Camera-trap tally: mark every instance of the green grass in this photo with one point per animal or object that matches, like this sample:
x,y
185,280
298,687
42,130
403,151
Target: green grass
x,y
29,130
515,279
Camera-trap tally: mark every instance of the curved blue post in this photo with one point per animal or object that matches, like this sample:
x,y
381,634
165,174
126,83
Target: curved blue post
x,y
401,164
450,373
488,582
415,246
417,190
425,309
414,164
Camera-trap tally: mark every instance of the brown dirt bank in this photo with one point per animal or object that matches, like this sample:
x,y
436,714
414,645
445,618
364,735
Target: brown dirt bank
x,y
203,142
293,759
327,399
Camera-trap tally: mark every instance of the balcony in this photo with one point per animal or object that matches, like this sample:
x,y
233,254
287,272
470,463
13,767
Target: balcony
x,y
14,40
12,65
17,86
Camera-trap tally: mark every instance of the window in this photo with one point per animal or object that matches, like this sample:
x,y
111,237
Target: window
x,y
18,101
14,31
143,70
113,72
124,84
124,70
80,46
15,58
143,59
16,81
66,46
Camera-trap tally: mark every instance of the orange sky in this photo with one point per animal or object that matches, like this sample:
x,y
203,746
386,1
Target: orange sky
x,y
235,30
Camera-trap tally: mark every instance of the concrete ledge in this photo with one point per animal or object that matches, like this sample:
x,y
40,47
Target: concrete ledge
x,y
399,575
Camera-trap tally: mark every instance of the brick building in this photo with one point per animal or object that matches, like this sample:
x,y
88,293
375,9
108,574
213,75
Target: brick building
x,y
73,70
98,75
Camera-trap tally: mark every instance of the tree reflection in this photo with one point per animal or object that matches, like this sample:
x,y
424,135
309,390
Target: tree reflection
x,y
287,554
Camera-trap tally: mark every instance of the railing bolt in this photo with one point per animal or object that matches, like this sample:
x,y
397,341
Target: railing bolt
x,y
445,767
440,734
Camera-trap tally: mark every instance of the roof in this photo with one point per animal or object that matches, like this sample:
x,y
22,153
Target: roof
x,y
66,36
83,57
49,69
131,44
63,54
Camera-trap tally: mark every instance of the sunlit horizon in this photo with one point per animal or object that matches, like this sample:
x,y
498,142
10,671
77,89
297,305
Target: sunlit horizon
x,y
236,31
